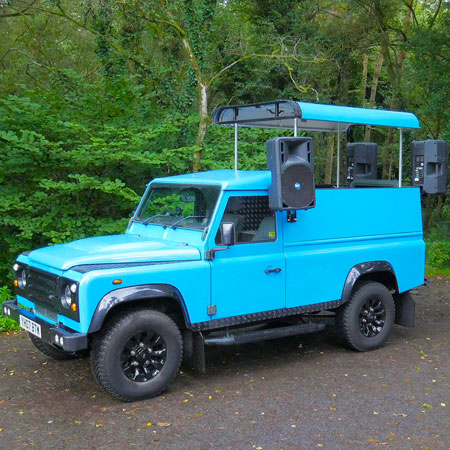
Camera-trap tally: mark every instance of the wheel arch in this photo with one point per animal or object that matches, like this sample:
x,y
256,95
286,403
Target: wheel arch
x,y
164,297
380,271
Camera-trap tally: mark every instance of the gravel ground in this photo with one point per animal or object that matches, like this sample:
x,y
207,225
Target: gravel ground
x,y
295,393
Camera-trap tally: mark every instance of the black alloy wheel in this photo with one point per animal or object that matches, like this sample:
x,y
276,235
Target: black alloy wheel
x,y
143,356
366,320
372,317
137,354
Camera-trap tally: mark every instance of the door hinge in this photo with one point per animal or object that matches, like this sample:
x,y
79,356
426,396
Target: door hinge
x,y
212,310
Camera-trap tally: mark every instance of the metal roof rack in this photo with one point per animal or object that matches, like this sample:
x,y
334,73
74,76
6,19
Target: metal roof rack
x,y
293,115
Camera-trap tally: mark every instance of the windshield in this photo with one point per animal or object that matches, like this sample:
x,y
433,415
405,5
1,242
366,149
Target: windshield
x,y
179,206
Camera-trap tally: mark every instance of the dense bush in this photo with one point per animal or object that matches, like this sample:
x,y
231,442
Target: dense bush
x,y
6,324
438,257
69,169
75,165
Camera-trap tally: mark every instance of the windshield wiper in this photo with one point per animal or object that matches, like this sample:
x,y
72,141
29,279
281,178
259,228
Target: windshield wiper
x,y
147,221
175,225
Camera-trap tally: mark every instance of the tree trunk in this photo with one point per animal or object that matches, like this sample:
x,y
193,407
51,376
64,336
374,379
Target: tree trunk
x,y
395,69
330,159
373,90
202,126
344,96
387,160
364,79
203,105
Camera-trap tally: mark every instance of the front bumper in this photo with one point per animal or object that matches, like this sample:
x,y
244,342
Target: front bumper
x,y
51,334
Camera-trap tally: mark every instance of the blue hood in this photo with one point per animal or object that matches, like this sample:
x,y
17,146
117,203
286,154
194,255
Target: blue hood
x,y
120,248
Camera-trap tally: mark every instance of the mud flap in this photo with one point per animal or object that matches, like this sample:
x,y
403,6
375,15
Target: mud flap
x,y
405,309
194,351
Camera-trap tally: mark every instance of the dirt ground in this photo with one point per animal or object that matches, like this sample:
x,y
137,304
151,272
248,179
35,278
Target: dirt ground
x,y
296,393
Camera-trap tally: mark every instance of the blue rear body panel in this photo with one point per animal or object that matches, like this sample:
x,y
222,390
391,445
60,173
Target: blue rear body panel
x,y
315,254
349,227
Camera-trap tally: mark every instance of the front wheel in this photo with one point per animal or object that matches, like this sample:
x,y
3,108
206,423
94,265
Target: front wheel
x,y
137,355
366,320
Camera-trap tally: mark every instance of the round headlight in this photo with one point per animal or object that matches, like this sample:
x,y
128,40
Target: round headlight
x,y
23,279
73,288
16,267
66,297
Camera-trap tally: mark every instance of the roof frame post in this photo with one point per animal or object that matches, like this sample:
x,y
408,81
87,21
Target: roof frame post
x,y
338,157
236,146
295,127
400,159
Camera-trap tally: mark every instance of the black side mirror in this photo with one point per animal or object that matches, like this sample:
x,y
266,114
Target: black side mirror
x,y
228,233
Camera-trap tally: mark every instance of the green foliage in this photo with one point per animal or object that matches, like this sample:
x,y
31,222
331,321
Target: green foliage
x,y
98,98
70,170
6,324
438,257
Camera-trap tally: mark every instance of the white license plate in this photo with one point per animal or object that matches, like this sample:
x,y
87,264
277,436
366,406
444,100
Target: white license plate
x,y
29,325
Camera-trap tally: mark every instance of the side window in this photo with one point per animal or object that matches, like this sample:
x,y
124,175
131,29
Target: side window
x,y
252,218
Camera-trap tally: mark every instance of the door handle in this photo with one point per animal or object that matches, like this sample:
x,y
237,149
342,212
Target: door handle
x,y
277,270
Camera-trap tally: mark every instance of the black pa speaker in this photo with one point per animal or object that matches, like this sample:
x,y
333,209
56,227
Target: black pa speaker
x,y
291,161
362,161
430,166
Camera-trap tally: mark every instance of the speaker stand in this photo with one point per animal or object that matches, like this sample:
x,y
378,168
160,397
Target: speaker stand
x,y
292,216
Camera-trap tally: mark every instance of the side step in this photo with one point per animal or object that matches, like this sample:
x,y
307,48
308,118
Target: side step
x,y
261,335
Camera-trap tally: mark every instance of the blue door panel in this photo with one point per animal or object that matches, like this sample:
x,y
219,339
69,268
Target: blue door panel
x,y
239,284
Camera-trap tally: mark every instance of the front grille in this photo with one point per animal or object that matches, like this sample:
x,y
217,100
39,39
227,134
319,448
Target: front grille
x,y
46,311
44,290
42,287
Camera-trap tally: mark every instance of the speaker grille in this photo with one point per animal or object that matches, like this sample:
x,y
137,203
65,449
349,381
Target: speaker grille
x,y
291,161
297,185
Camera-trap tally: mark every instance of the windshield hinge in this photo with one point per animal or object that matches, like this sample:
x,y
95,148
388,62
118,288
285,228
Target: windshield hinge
x,y
210,254
212,310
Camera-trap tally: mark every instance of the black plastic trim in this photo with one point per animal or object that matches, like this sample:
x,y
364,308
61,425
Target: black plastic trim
x,y
72,342
361,269
260,335
134,293
218,112
85,268
262,316
405,310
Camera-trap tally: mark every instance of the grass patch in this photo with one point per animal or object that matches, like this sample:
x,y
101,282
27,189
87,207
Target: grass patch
x,y
6,324
431,272
438,258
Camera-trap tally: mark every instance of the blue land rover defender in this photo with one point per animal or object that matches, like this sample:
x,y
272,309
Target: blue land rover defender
x,y
231,256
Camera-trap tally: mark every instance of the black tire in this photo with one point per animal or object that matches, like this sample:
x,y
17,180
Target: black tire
x,y
54,352
366,320
112,361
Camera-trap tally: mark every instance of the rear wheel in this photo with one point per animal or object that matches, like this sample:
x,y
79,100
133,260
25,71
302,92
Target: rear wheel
x,y
366,320
54,352
137,355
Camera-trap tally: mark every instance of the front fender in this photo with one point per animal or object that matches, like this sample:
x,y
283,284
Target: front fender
x,y
134,293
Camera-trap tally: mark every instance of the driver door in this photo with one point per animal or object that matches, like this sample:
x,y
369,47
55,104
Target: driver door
x,y
248,277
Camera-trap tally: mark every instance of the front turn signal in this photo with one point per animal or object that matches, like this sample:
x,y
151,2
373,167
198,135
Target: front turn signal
x,y
73,307
16,283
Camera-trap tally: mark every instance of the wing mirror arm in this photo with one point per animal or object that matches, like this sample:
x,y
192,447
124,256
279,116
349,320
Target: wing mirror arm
x,y
228,238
